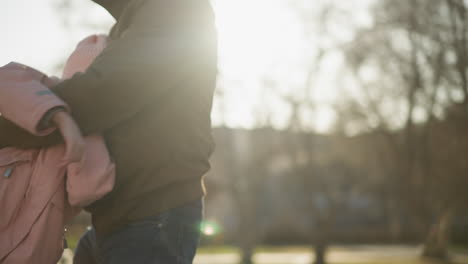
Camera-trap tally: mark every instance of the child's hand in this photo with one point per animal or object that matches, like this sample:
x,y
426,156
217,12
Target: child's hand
x,y
74,141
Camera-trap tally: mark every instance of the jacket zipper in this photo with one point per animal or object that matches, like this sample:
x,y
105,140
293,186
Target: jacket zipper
x,y
9,171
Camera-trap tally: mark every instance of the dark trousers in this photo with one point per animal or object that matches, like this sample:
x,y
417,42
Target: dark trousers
x,y
168,238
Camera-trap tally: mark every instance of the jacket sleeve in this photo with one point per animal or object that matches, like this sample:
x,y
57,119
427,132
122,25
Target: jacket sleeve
x,y
149,59
25,103
129,75
24,98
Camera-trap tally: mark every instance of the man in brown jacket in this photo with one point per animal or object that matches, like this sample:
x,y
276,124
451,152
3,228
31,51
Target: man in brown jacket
x,y
150,95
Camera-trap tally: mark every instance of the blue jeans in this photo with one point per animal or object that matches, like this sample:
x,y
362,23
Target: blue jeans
x,y
168,238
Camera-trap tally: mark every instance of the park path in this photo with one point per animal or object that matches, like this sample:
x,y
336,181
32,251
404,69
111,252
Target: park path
x,y
337,254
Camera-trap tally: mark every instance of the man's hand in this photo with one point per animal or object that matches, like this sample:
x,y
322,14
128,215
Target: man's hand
x,y
74,141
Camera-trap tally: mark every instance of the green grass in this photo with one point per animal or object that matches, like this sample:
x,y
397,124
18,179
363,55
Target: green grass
x,y
304,249
388,262
458,249
408,261
394,262
218,250
287,249
260,249
461,249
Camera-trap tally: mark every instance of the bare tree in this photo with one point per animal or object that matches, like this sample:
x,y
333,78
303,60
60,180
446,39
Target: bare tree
x,y
417,50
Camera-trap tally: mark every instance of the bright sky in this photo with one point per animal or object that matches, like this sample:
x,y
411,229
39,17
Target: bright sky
x,y
259,40
32,33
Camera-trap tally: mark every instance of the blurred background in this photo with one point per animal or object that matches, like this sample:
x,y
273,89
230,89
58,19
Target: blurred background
x,y
341,126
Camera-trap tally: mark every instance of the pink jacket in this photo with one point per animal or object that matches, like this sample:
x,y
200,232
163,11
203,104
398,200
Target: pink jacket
x,y
36,198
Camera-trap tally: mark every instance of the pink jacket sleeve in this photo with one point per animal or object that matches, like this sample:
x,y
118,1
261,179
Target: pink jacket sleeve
x,y
25,98
93,177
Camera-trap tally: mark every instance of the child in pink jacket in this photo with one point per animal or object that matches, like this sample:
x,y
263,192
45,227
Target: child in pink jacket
x,y
36,198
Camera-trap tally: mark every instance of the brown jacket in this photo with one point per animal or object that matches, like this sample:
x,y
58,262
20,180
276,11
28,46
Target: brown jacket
x,y
150,94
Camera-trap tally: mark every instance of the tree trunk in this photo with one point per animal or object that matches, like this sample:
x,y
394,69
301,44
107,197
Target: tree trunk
x,y
438,240
395,228
247,254
322,239
394,225
320,252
